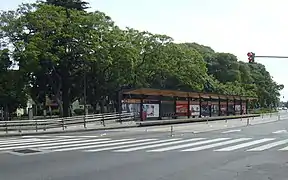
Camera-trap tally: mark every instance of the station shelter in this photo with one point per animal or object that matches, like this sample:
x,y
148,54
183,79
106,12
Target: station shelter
x,y
153,104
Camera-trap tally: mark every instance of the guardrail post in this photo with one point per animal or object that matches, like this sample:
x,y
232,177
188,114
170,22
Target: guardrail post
x,y
84,120
36,126
171,131
120,118
103,120
63,124
6,128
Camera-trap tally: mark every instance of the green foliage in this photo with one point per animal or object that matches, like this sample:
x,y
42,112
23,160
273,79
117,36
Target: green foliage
x,y
58,45
12,86
79,111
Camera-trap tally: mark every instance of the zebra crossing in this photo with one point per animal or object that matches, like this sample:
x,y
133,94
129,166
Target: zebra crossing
x,y
149,145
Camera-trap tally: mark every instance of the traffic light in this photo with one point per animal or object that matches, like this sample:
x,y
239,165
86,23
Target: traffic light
x,y
251,57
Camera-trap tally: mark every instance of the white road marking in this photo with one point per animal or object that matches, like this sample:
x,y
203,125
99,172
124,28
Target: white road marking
x,y
280,131
217,144
18,141
128,141
36,141
268,146
230,131
158,145
44,143
239,146
126,146
187,145
91,143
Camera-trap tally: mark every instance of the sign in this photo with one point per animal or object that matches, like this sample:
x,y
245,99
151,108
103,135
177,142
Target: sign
x,y
150,110
195,110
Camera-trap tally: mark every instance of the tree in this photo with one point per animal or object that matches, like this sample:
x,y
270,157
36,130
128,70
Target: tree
x,y
12,86
69,4
59,46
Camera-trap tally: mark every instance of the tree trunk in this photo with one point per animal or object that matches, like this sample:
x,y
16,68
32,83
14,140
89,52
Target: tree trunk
x,y
65,99
65,91
6,113
101,106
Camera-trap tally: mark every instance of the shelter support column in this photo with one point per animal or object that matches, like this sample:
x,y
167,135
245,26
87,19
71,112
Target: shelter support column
x,y
210,107
141,108
200,106
188,108
160,107
227,107
219,106
234,106
241,107
175,109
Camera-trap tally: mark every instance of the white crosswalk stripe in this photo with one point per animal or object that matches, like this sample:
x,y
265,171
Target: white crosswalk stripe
x,y
96,146
157,145
268,146
239,146
127,146
188,145
149,145
216,144
93,144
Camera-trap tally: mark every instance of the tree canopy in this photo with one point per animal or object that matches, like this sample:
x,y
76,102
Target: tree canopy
x,y
59,47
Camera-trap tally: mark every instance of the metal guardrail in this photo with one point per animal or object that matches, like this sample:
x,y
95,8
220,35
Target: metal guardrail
x,y
44,124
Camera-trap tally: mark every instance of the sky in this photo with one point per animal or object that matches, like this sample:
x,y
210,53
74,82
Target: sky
x,y
231,26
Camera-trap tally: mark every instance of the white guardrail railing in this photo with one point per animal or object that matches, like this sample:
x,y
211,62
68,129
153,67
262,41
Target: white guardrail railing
x,y
43,124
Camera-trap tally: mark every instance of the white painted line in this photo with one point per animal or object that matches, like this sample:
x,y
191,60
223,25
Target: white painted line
x,y
47,136
128,141
126,146
280,131
187,145
44,143
18,141
88,136
230,131
216,144
158,145
284,149
239,146
268,146
36,141
93,142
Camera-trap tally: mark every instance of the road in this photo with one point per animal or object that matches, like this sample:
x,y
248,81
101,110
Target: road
x,y
257,151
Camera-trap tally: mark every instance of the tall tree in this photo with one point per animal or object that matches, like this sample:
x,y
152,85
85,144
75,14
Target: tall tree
x,y
69,4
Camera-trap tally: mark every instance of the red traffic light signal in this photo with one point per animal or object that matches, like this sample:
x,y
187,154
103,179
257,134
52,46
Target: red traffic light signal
x,y
251,57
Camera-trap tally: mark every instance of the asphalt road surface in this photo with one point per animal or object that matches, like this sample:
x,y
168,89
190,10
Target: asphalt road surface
x,y
256,152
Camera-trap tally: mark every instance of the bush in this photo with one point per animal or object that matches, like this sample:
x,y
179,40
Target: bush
x,y
55,112
79,111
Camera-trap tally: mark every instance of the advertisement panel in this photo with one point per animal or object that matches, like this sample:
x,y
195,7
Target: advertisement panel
x,y
181,109
195,110
150,110
237,108
131,108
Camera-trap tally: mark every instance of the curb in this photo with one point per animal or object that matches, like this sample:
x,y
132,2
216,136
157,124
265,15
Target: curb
x,y
182,121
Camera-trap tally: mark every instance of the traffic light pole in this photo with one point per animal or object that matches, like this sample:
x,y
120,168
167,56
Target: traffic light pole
x,y
271,57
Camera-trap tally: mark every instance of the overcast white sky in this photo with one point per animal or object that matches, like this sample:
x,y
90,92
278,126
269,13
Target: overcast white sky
x,y
234,26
